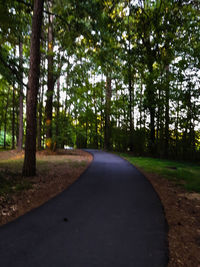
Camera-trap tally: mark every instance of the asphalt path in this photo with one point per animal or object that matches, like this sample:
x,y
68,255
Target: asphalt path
x,y
110,217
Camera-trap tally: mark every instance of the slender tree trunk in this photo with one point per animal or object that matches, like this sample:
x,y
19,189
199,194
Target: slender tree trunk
x,y
101,122
50,82
17,125
107,144
177,125
158,120
130,87
29,167
151,106
130,114
140,107
21,97
86,123
13,117
166,145
57,113
190,126
96,121
5,121
40,105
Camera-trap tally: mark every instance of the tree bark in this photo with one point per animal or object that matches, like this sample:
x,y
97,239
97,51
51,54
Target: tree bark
x,y
5,121
107,144
96,121
130,87
50,82
166,146
130,112
39,131
151,106
57,114
29,167
21,97
13,117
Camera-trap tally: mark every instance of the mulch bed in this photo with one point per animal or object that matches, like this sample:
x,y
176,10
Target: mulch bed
x,y
182,211
44,186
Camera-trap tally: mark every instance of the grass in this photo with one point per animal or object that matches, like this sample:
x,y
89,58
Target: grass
x,y
4,149
10,176
183,173
12,182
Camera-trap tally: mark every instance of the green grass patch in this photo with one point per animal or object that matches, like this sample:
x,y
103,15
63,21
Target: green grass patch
x,y
12,165
12,182
5,149
183,173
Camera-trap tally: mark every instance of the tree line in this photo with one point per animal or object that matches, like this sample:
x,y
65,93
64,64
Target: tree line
x,y
119,75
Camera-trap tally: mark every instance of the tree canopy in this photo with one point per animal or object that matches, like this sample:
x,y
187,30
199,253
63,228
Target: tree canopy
x,y
120,75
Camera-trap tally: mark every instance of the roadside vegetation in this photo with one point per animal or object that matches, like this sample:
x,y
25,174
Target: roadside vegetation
x,y
185,174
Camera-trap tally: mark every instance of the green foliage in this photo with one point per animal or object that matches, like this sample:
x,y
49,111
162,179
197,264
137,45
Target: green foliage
x,y
183,173
149,49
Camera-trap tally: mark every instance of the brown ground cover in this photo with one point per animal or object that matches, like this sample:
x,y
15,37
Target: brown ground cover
x,y
182,209
56,172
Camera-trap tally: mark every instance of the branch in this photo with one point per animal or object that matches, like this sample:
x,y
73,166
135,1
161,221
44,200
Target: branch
x,y
12,70
30,6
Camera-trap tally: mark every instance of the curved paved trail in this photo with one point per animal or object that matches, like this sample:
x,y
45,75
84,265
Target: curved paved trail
x,y
110,217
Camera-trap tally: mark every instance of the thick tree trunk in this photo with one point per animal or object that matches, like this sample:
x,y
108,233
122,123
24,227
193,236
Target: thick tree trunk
x,y
21,97
50,82
107,144
29,167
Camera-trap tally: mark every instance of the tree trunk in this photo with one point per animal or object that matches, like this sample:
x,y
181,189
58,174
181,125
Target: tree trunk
x,y
21,96
130,88
13,117
151,106
166,145
29,167
140,105
57,114
130,113
5,121
96,121
107,144
40,105
101,115
50,82
177,125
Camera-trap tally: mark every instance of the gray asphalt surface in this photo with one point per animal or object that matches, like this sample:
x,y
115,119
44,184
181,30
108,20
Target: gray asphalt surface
x,y
110,217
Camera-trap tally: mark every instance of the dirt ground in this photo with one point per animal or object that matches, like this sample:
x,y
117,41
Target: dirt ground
x,y
46,184
182,209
